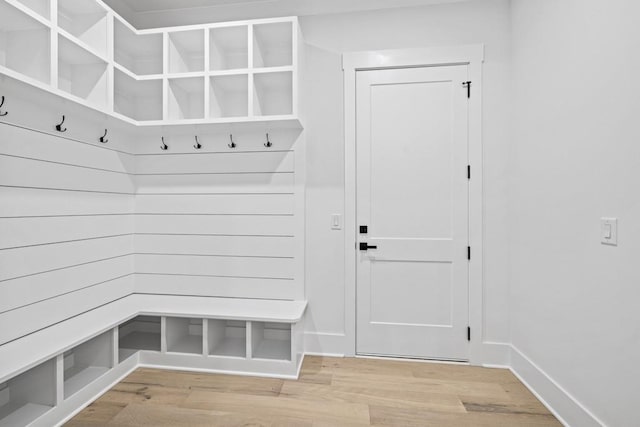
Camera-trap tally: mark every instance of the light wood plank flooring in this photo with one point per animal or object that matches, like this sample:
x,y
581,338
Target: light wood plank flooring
x,y
330,392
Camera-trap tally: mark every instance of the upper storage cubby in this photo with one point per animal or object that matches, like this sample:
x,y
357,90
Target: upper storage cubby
x,y
139,53
273,93
272,44
87,21
186,51
41,7
229,48
137,99
25,46
186,98
82,74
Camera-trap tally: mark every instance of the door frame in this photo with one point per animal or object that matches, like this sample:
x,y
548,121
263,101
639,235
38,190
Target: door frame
x,y
473,57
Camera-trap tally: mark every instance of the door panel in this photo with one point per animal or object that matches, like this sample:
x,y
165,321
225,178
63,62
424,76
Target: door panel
x,y
412,290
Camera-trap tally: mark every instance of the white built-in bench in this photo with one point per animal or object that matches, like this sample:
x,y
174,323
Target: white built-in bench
x,y
48,376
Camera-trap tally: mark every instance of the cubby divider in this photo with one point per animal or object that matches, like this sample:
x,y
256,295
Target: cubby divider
x,y
28,395
184,335
139,333
24,44
87,362
271,341
227,338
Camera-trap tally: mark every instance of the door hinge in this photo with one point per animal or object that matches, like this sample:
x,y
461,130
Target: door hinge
x,y
468,171
469,253
468,333
468,86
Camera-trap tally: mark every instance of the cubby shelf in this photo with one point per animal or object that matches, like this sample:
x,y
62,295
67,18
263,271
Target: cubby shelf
x,y
87,362
221,73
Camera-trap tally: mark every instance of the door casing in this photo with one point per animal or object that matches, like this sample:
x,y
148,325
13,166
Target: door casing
x,y
472,56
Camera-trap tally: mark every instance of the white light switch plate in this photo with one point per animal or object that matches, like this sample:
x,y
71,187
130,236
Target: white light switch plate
x,y
336,222
609,231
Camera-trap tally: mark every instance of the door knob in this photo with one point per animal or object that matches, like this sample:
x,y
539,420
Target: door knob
x,y
364,246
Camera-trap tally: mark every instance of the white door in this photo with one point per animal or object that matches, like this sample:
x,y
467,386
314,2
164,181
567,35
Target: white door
x,y
412,190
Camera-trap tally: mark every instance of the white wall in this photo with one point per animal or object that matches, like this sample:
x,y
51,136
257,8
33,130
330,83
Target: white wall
x,y
328,36
66,213
574,302
219,221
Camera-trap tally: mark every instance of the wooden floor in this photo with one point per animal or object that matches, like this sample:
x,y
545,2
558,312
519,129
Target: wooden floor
x,y
330,392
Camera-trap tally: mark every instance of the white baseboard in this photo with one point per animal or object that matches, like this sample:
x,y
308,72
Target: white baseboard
x,y
563,405
323,344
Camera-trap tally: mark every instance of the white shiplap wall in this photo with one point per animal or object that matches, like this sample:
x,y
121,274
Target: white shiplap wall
x,y
83,223
221,221
66,216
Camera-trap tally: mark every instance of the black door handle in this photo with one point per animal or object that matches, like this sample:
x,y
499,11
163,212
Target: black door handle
x,y
364,246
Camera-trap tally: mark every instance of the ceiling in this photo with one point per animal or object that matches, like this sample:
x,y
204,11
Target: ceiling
x,y
166,13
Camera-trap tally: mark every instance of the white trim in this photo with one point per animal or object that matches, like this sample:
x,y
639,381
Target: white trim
x,y
557,400
473,56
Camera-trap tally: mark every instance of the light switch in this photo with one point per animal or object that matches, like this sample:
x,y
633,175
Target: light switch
x,y
609,231
336,222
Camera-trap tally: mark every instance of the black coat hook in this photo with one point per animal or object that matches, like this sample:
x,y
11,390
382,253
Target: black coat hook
x,y
102,138
1,104
59,126
163,146
233,144
268,144
198,145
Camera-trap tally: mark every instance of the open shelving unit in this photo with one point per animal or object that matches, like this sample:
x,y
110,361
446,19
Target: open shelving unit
x,y
87,362
24,44
220,73
88,353
139,333
183,335
28,396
